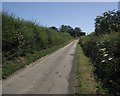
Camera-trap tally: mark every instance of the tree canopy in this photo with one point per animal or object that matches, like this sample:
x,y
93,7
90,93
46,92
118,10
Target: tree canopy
x,y
75,32
107,22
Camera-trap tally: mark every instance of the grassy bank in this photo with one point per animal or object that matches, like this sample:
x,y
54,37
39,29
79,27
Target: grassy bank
x,y
86,82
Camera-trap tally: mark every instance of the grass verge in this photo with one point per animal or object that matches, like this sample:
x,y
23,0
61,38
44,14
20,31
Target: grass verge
x,y
12,66
85,79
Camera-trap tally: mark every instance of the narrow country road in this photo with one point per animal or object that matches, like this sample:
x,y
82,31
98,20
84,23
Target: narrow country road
x,y
54,74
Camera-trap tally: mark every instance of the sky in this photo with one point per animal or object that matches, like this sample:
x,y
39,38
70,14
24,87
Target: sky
x,y
75,14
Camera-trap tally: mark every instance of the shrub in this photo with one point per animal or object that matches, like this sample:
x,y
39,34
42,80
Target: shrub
x,y
21,37
104,52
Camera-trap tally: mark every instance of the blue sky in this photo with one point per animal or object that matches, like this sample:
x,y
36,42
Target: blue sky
x,y
77,14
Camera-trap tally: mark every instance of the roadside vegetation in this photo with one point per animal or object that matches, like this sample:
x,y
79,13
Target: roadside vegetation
x,y
103,48
98,54
24,41
85,81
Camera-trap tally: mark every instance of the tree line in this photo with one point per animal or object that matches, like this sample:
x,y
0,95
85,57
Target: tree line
x,y
74,32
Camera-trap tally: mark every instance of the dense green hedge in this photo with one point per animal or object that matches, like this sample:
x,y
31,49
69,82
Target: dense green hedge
x,y
104,51
20,37
25,41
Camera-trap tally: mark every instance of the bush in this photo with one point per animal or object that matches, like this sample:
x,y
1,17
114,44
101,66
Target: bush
x,y
104,52
21,38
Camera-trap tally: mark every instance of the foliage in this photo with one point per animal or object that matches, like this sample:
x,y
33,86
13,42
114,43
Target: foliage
x,y
21,38
76,32
108,22
11,66
86,82
54,28
104,52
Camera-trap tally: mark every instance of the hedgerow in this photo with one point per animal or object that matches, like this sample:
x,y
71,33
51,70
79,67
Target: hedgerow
x,y
104,51
21,38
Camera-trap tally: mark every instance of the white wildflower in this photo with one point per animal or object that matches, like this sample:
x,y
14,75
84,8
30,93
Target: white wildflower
x,y
103,49
104,52
109,58
102,41
98,44
105,55
103,61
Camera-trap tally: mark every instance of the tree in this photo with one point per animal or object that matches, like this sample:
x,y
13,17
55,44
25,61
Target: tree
x,y
108,22
66,28
54,28
76,32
